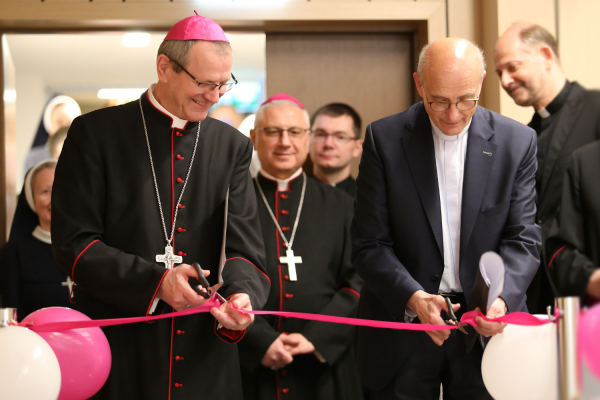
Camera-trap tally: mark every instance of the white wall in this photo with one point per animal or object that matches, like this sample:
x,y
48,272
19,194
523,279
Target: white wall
x,y
31,98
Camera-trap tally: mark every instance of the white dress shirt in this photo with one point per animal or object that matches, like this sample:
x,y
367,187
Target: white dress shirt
x,y
450,153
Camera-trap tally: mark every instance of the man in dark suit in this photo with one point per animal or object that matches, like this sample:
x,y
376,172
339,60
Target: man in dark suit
x,y
566,117
439,185
573,243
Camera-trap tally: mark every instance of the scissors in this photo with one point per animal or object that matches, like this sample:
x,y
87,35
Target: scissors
x,y
204,283
453,320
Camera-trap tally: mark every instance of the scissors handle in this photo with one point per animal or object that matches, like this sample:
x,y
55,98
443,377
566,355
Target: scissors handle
x,y
203,282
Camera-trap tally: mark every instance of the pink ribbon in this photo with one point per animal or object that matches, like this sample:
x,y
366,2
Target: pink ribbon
x,y
517,318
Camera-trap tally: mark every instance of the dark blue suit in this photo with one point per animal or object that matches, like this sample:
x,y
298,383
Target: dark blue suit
x,y
397,228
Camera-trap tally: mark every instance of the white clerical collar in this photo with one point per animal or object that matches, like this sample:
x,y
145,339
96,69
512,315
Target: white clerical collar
x,y
42,235
543,113
177,122
438,132
282,184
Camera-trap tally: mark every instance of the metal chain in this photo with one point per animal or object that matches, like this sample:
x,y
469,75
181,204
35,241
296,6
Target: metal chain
x,y
288,244
156,185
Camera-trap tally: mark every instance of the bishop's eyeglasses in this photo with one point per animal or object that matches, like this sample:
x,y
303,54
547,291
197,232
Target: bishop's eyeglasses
x,y
207,87
441,106
273,132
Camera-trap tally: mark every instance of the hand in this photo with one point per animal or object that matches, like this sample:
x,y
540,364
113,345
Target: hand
x,y
428,308
593,287
488,329
296,344
177,292
277,356
231,318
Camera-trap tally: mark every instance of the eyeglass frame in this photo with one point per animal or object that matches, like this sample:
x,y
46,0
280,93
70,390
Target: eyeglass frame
x,y
207,83
327,135
281,130
449,104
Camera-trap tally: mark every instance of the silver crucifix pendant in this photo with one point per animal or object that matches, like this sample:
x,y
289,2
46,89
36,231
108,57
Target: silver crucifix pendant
x,y
291,261
169,258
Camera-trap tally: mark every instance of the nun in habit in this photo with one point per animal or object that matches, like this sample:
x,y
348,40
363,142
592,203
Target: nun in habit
x,y
30,279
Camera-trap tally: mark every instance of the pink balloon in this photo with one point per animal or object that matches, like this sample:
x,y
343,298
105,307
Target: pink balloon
x,y
589,345
83,354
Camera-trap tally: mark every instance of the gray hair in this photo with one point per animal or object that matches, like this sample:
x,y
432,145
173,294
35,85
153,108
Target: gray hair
x,y
424,59
536,35
179,50
261,110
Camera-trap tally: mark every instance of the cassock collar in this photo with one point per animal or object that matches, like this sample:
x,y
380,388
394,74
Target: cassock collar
x,y
283,185
42,235
177,122
557,103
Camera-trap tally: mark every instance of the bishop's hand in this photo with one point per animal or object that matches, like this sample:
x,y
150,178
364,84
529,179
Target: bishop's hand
x,y
277,355
428,308
229,317
297,343
177,292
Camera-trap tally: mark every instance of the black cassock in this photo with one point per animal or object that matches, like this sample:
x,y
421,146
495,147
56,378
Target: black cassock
x,y
107,231
327,284
574,244
29,276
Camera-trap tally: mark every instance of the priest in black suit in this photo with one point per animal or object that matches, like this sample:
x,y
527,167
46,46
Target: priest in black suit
x,y
573,246
567,117
143,186
335,143
306,230
439,185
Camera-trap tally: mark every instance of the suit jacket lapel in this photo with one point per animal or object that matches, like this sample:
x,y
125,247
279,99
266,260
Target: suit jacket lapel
x,y
478,165
566,116
420,154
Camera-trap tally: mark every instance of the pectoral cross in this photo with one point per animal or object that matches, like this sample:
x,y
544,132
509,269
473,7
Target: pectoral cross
x,y
169,258
291,261
68,283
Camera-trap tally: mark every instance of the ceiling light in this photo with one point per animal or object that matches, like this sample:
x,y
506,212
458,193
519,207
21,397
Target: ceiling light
x,y
136,39
120,94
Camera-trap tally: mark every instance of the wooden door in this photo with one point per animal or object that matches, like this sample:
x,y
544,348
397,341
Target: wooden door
x,y
371,72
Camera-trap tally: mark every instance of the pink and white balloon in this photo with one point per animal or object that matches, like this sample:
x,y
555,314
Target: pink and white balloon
x,y
28,367
83,354
522,363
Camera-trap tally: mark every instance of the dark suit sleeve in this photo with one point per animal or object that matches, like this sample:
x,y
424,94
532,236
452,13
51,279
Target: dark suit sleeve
x,y
373,254
570,267
124,281
244,270
331,341
521,238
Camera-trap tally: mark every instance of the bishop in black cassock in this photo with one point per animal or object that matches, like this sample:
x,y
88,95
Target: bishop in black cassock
x,y
326,281
107,229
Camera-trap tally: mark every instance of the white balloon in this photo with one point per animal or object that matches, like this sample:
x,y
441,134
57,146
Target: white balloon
x,y
522,363
28,367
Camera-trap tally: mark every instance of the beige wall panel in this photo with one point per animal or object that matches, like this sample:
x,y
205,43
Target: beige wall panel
x,y
463,19
8,200
371,72
578,28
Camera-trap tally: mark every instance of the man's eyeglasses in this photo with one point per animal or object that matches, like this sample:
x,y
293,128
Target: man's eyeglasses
x,y
273,132
463,105
339,139
206,87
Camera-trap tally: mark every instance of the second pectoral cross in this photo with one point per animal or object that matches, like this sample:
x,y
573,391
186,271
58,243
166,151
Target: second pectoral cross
x,y
169,258
291,261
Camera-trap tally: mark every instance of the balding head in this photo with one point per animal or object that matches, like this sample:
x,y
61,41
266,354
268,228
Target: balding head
x,y
450,71
450,54
526,60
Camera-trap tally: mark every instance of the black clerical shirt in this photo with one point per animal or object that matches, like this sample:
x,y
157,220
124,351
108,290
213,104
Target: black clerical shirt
x,y
543,126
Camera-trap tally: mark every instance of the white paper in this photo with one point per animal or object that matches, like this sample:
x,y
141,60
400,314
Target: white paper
x,y
492,271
